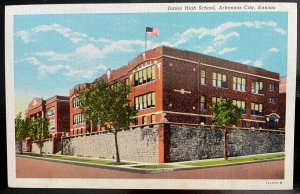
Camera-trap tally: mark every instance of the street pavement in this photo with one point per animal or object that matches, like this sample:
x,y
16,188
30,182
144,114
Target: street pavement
x,y
34,168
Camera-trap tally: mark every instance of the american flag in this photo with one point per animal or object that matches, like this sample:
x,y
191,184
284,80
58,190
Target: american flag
x,y
152,31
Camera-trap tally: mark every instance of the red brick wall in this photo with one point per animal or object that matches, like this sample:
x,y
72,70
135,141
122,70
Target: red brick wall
x,y
180,74
60,104
282,105
36,107
185,74
153,86
63,116
73,111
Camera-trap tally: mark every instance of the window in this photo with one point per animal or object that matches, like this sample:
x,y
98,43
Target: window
x,y
202,120
144,120
126,81
140,77
203,77
272,87
256,109
152,118
144,76
214,99
272,100
239,84
50,112
78,119
219,80
135,121
145,101
77,102
240,104
115,85
51,125
257,87
203,102
244,124
253,124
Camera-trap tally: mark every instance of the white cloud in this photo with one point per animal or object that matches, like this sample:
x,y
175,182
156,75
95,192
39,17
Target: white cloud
x,y
227,50
220,39
208,50
280,31
273,50
125,46
247,62
218,32
78,73
74,37
221,34
103,67
89,51
51,55
33,61
258,63
44,69
24,36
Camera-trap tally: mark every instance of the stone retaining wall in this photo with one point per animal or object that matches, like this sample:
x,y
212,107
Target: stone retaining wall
x,y
195,144
47,148
136,145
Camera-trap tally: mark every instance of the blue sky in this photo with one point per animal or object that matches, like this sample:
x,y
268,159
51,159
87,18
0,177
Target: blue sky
x,y
53,53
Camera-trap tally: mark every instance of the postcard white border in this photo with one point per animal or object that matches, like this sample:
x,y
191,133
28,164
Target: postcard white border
x,y
238,184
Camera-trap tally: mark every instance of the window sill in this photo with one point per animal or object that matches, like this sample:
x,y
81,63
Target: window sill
x,y
145,109
144,84
78,124
257,116
258,94
240,91
220,87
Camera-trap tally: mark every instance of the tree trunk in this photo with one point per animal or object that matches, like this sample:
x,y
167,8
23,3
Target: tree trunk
x,y
117,147
41,148
225,145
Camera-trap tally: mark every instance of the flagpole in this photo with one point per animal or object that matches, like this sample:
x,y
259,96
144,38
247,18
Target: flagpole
x,y
145,41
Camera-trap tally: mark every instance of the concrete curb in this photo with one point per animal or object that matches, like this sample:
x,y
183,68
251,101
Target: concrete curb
x,y
224,165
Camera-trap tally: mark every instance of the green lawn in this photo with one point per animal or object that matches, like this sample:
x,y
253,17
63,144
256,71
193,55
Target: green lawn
x,y
154,167
235,161
91,161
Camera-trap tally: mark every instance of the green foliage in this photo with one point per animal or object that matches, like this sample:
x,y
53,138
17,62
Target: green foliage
x,y
225,114
22,129
20,133
39,131
103,104
108,106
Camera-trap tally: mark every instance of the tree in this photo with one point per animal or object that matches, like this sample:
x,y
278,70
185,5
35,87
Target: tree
x,y
225,114
108,106
22,130
39,131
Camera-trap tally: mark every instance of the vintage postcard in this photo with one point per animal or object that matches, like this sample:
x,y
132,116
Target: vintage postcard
x,y
151,96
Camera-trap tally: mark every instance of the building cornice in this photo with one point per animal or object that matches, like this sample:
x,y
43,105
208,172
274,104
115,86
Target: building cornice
x,y
222,68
